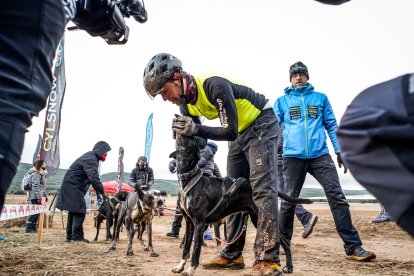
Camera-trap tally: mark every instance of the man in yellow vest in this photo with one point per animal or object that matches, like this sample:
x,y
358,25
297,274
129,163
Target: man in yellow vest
x,y
249,124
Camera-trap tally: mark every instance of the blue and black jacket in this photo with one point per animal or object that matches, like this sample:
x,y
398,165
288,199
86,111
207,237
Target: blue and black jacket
x,y
305,115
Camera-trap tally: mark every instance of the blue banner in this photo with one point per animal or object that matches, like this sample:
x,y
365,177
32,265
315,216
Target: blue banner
x,y
148,138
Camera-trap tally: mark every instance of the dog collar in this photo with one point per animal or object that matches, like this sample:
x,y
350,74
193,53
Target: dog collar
x,y
188,175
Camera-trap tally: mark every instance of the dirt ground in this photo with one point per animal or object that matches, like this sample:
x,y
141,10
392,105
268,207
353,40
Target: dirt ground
x,y
320,254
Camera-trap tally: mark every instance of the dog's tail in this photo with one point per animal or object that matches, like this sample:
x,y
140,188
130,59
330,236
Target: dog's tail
x,y
294,199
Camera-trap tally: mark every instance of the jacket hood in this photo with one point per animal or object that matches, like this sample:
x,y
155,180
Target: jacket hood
x,y
299,90
101,148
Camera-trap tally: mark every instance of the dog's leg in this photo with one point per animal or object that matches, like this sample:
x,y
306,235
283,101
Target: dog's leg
x,y
149,231
140,232
109,222
120,220
114,237
130,236
189,231
198,241
98,221
216,226
286,247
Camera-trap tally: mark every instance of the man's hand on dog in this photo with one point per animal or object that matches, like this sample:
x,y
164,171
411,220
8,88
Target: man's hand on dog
x,y
102,198
184,125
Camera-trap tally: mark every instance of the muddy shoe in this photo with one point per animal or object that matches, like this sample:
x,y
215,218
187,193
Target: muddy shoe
x,y
361,255
223,263
266,268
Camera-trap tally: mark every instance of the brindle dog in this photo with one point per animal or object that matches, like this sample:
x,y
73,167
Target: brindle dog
x,y
137,208
204,202
109,211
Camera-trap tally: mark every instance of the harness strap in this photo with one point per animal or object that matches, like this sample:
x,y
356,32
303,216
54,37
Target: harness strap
x,y
226,194
192,182
99,211
188,187
117,199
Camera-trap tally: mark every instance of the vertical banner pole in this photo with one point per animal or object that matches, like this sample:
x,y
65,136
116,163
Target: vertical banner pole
x,y
120,175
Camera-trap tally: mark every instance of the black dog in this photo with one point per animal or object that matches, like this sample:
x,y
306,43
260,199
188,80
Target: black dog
x,y
202,202
136,210
109,210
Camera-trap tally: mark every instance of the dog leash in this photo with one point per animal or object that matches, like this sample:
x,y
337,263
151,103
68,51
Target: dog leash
x,y
224,243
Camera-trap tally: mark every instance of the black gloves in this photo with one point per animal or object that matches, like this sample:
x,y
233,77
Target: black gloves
x,y
340,163
102,198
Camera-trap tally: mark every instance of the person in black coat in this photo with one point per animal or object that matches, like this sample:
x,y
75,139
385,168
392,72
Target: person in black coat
x,y
142,174
80,175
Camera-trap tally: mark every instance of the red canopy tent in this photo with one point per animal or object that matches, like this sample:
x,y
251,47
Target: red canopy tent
x,y
110,187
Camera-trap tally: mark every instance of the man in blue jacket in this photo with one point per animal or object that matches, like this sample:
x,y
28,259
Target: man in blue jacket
x,y
305,116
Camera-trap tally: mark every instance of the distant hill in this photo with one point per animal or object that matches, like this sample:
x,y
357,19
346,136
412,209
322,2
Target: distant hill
x,y
169,186
54,182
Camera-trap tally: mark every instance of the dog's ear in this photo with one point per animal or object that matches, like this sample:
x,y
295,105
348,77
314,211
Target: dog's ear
x,y
139,191
200,142
173,155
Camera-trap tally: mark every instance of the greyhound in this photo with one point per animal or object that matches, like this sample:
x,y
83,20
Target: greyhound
x,y
137,208
204,202
109,210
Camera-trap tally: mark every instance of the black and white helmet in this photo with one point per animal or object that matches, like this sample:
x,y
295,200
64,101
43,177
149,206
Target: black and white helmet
x,y
160,69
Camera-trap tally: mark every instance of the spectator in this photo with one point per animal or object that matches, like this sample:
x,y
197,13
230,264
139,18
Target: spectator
x,y
142,174
383,216
38,190
76,182
306,218
305,115
249,124
206,162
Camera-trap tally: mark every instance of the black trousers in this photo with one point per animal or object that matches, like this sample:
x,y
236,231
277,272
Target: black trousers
x,y
74,228
34,218
30,31
253,156
178,218
324,170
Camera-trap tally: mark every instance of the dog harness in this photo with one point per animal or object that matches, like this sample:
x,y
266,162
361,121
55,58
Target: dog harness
x,y
195,175
114,206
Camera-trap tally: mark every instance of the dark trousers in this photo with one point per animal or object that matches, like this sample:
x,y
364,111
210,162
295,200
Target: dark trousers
x,y
176,225
33,219
253,156
324,170
74,227
301,213
30,31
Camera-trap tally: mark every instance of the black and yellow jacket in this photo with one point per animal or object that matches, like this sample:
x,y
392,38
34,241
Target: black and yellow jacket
x,y
236,106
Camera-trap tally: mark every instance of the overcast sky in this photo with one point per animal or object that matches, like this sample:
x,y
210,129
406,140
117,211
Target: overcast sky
x,y
347,48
